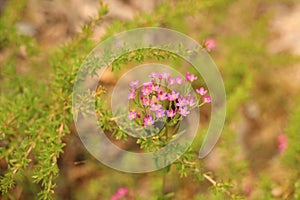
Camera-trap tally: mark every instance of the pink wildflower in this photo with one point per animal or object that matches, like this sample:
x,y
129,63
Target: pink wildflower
x,y
146,90
184,111
282,142
206,99
149,87
122,192
191,102
131,95
146,101
178,80
134,84
164,75
191,77
173,96
210,44
201,91
171,113
161,96
181,102
149,83
171,81
154,88
132,115
155,107
160,113
153,75
148,121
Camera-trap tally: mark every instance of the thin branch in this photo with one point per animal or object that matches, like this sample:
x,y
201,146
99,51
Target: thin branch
x,y
25,157
212,181
7,124
216,184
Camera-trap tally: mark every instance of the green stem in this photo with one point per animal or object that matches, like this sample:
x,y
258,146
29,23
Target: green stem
x,y
176,127
201,104
167,130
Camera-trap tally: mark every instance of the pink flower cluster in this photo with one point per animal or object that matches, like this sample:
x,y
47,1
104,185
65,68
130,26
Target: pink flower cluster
x,y
122,192
156,101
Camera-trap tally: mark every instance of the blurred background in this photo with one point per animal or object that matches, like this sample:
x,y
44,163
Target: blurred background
x,y
257,52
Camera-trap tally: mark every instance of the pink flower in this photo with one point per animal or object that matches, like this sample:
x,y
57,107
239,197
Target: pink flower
x,y
131,95
206,99
184,111
171,81
173,96
178,80
132,115
134,84
161,96
181,102
122,192
114,197
148,121
149,87
149,83
171,113
146,101
191,77
154,88
201,91
282,142
210,44
155,107
191,102
164,75
160,113
153,75
146,90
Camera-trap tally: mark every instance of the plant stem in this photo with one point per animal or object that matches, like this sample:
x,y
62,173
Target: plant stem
x,y
167,132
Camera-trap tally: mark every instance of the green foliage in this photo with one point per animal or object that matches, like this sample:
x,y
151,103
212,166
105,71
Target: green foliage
x,y
290,157
34,121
